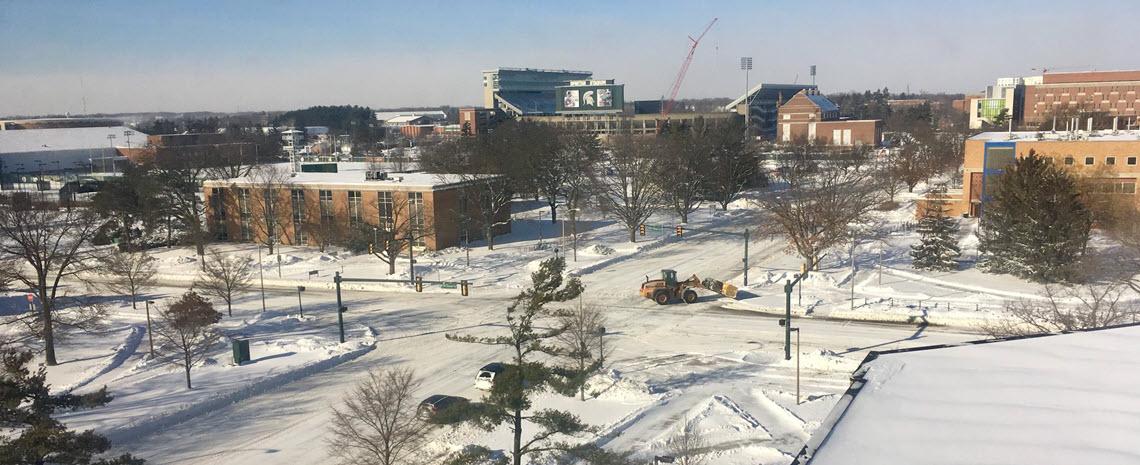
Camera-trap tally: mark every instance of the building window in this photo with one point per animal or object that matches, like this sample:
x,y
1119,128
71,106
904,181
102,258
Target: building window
x,y
298,199
1110,160
326,204
416,217
1068,160
1131,161
354,209
384,209
244,213
217,204
1088,161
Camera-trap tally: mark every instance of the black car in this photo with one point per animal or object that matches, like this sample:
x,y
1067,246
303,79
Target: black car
x,y
432,407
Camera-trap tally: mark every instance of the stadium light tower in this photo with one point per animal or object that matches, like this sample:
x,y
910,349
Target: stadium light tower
x,y
746,65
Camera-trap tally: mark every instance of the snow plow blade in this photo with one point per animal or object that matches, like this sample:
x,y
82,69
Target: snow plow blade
x,y
720,287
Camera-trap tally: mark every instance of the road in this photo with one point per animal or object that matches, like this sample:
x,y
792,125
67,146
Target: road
x,y
697,350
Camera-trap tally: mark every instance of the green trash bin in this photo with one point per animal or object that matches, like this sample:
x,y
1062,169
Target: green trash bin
x,y
241,351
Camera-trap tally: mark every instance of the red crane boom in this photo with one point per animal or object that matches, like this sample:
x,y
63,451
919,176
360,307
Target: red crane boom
x,y
668,106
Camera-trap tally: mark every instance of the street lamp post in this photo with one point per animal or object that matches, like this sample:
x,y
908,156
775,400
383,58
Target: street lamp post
x,y
149,333
746,66
300,307
261,272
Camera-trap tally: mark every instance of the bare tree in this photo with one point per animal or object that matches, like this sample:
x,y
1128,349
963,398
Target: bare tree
x,y
378,422
733,164
225,277
1067,308
269,186
401,223
687,445
581,342
819,198
41,247
187,329
628,191
682,163
130,273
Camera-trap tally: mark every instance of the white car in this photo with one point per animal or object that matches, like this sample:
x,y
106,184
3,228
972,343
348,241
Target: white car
x,y
485,380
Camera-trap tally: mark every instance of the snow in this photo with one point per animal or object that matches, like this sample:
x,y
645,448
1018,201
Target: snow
x,y
1049,400
716,365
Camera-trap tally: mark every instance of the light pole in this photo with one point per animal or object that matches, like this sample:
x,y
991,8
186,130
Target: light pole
x,y
149,333
851,256
300,307
746,66
574,230
261,272
111,142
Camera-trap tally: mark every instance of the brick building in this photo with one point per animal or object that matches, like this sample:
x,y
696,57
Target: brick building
x,y
1111,158
316,207
810,116
1115,93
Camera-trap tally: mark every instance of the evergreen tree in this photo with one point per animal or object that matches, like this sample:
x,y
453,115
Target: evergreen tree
x,y
32,436
938,247
1034,226
511,398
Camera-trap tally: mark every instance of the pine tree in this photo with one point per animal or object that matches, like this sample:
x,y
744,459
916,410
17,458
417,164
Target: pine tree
x,y
938,247
1035,225
32,436
511,400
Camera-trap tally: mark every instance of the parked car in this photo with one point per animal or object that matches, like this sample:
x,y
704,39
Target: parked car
x,y
485,380
433,407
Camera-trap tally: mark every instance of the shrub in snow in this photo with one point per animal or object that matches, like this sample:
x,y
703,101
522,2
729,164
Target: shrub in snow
x,y
1035,225
938,247
602,249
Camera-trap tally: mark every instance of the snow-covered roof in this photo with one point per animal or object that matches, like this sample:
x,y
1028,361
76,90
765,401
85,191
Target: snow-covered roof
x,y
437,115
352,175
1059,136
762,86
59,139
405,119
825,104
1061,399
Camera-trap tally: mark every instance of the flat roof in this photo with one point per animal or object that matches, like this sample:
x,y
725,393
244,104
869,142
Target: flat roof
x,y
1054,399
56,139
352,174
1059,136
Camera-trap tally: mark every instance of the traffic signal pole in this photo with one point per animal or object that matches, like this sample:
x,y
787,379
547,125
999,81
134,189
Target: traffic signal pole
x,y
339,307
680,232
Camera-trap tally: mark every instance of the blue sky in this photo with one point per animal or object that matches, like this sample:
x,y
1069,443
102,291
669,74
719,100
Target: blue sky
x,y
276,55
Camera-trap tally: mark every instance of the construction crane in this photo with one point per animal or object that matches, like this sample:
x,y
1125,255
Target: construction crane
x,y
668,106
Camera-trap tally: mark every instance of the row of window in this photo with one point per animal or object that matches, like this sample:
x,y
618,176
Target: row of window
x,y
1110,161
384,203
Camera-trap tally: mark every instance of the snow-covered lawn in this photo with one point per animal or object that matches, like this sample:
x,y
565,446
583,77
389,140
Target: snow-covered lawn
x,y
716,366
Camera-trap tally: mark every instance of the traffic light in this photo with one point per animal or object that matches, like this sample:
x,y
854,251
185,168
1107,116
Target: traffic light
x,y
641,228
370,250
680,231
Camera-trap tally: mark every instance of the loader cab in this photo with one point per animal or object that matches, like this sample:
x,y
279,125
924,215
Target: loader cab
x,y
670,277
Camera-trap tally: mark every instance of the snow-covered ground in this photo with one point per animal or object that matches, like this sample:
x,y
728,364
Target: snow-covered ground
x,y
716,366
